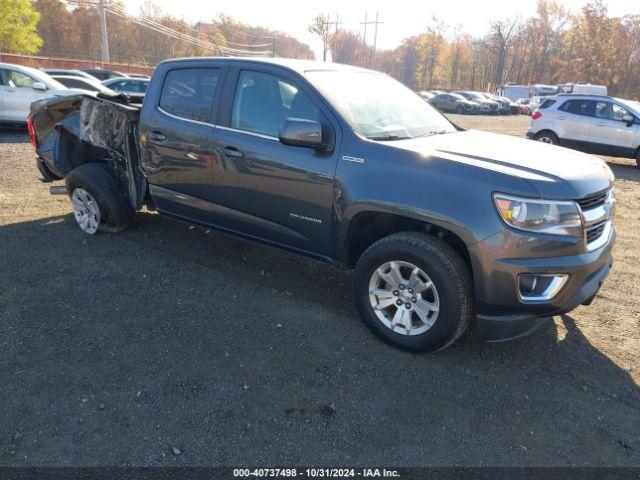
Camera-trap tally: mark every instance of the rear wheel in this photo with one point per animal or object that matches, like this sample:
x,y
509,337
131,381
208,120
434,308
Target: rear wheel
x,y
638,158
547,137
414,291
97,200
459,109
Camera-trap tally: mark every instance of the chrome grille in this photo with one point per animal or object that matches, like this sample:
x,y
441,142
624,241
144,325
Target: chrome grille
x,y
595,231
596,212
593,201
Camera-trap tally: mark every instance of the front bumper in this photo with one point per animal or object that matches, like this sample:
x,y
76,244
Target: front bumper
x,y
502,314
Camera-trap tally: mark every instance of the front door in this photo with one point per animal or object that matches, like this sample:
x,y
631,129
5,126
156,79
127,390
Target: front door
x,y
17,94
177,140
262,187
610,130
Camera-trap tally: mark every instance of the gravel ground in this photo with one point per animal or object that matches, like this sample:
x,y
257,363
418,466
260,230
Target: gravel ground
x,y
172,345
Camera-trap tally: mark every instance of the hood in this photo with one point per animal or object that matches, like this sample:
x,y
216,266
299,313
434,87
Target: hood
x,y
555,172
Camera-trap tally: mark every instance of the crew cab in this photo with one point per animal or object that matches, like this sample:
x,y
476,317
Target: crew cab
x,y
441,226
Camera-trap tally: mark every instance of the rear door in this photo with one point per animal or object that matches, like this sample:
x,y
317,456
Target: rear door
x,y
264,188
609,130
177,132
574,118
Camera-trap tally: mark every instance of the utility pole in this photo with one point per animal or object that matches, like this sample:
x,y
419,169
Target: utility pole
x,y
365,23
103,31
328,24
375,38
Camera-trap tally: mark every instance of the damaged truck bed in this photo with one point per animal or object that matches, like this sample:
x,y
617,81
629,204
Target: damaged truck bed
x,y
80,129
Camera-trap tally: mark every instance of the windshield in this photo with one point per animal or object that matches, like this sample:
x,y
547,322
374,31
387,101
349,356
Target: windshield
x,y
474,96
632,105
379,107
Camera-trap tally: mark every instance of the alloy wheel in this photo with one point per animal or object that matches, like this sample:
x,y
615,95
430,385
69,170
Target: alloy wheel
x,y
404,298
85,210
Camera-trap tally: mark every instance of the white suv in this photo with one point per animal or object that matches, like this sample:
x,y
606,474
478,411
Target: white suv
x,y
590,123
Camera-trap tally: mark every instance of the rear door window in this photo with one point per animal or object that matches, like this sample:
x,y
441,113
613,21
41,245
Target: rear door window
x,y
585,108
189,92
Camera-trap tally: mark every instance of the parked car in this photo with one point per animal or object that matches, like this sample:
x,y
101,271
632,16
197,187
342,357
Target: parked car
x,y
104,74
442,226
535,102
524,104
70,73
19,86
504,104
589,123
453,102
127,85
427,96
485,105
138,75
83,83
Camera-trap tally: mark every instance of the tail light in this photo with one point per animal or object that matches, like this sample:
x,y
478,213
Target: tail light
x,y
32,132
536,115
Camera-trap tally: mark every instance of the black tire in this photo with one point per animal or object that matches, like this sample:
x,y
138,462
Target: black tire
x,y
115,210
638,158
552,137
449,274
459,109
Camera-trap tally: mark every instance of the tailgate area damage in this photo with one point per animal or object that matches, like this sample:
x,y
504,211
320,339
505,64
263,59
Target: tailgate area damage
x,y
78,129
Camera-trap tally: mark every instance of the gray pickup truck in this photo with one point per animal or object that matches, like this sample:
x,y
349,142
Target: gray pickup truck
x,y
442,226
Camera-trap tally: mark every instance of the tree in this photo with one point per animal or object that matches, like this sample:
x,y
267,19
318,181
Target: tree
x,y
501,34
18,20
429,48
320,26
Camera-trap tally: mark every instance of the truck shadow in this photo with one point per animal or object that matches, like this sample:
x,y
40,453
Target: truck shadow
x,y
172,310
14,134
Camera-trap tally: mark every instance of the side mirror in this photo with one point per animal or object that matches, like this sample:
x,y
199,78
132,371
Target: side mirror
x,y
628,119
39,86
299,132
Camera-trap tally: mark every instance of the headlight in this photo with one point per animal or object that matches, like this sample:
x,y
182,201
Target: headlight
x,y
540,216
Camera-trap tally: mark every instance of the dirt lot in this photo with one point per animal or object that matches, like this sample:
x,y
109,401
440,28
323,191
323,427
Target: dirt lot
x,y
173,345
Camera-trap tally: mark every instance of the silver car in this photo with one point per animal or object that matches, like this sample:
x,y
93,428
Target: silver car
x,y
19,86
589,123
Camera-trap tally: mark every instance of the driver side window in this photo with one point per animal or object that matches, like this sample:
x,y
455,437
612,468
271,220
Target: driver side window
x,y
263,101
12,78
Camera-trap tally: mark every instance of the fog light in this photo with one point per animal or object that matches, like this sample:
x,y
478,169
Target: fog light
x,y
540,288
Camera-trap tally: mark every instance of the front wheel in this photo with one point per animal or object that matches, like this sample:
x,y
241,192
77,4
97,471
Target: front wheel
x,y
459,109
414,291
638,159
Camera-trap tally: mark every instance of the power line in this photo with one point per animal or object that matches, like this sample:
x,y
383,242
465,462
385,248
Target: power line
x,y
170,32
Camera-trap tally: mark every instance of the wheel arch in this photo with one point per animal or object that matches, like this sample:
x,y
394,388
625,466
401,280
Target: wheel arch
x,y
370,225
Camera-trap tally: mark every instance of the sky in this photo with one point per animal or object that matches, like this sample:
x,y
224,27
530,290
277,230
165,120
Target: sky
x,y
402,18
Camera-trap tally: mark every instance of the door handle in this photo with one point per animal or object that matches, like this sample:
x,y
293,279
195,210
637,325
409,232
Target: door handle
x,y
157,136
562,117
601,124
231,152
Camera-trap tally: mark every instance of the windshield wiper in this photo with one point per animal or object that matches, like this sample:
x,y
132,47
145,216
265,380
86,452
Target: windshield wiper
x,y
428,134
388,137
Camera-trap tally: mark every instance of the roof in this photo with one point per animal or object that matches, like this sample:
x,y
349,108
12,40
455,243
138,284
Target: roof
x,y
300,66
